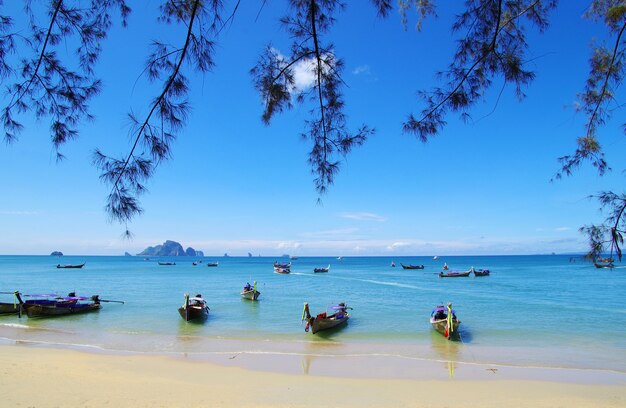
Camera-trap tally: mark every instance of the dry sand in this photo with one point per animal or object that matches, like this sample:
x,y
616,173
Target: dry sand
x,y
44,377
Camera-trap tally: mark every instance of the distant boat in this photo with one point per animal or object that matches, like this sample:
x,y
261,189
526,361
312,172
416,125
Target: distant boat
x,y
319,270
480,272
444,320
249,292
412,266
167,263
393,264
454,274
283,271
604,263
59,266
435,257
194,263
323,321
282,265
212,264
194,308
293,257
340,258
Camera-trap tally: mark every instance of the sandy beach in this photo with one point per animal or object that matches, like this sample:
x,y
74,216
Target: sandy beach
x,y
47,377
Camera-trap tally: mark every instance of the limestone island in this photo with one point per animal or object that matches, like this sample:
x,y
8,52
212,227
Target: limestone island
x,y
170,248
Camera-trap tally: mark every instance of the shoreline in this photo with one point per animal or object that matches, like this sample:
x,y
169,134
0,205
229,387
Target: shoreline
x,y
49,377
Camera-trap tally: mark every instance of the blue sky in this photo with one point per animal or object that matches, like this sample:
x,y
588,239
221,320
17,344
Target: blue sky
x,y
237,186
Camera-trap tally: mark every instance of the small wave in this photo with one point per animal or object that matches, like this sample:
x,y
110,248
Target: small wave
x,y
15,325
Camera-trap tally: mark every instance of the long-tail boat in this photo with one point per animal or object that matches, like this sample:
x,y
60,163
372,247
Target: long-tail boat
x,y
321,270
604,263
212,264
249,292
444,320
324,321
167,263
455,274
480,272
411,266
59,306
59,266
283,271
282,265
194,308
7,308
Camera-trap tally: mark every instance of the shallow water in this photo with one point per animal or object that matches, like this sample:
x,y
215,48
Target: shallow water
x,y
533,311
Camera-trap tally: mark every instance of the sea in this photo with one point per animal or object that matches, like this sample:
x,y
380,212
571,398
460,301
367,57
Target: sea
x,y
541,311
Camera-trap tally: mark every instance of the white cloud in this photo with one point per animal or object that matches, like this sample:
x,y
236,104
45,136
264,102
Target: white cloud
x,y
19,213
361,69
397,245
363,216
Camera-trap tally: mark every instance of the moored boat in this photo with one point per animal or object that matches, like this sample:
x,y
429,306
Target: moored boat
x,y
194,308
411,266
455,274
324,321
58,306
59,266
249,292
167,263
7,308
444,320
321,270
212,264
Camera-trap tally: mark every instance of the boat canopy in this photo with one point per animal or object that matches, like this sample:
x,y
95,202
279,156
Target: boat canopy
x,y
441,309
44,295
337,307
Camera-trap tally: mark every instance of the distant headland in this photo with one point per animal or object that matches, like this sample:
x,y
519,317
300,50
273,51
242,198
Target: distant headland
x,y
170,248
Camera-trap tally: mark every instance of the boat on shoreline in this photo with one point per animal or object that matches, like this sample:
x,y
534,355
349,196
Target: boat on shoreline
x,y
322,270
324,321
79,266
249,292
194,308
7,308
58,306
455,274
411,266
444,320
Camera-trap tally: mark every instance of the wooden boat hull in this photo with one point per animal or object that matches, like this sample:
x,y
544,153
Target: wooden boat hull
x,y
59,266
412,266
193,312
485,272
440,327
318,324
250,294
454,274
54,309
604,266
9,308
212,264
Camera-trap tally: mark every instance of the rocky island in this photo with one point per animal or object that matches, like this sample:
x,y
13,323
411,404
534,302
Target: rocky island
x,y
170,248
56,253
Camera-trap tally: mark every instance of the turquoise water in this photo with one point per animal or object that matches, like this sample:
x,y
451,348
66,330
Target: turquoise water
x,y
544,311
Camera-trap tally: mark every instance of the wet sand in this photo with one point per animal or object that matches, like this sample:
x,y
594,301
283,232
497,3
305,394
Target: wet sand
x,y
50,377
